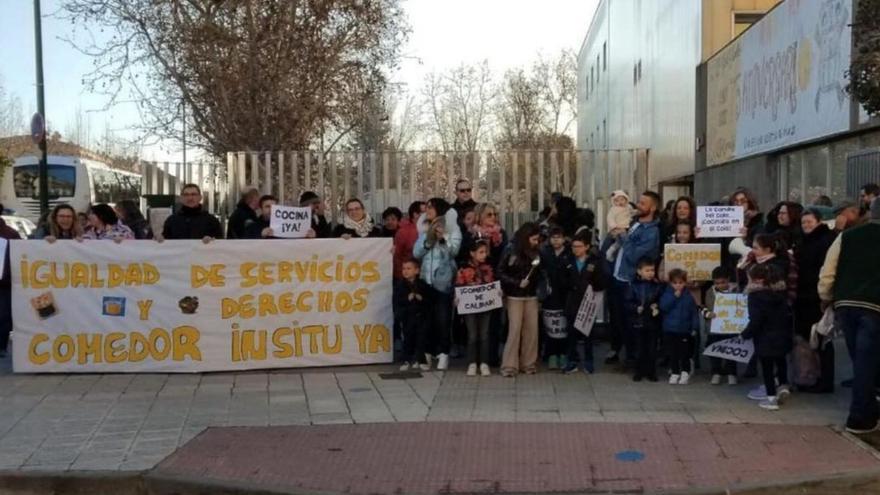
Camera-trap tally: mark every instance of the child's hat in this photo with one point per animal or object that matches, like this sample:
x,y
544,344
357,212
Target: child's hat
x,y
619,192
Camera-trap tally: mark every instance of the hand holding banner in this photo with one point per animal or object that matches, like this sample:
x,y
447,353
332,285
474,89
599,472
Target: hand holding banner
x,y
290,222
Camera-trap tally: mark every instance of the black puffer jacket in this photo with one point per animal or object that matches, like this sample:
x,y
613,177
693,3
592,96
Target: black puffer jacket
x,y
243,216
192,223
769,321
513,269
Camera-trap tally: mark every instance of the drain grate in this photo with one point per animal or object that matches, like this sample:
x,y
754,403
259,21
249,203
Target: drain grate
x,y
400,375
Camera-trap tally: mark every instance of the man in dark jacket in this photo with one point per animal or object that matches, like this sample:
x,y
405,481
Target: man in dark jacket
x,y
259,229
322,228
641,241
191,221
463,198
850,279
8,233
245,213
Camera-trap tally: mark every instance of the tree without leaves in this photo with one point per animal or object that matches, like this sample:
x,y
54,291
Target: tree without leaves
x,y
254,75
460,105
11,117
864,73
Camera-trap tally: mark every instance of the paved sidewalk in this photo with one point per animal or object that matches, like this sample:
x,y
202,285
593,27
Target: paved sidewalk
x,y
429,458
131,422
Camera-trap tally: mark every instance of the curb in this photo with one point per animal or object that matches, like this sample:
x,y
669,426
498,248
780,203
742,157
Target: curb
x,y
154,483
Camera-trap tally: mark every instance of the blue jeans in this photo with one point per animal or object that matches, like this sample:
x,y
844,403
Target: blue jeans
x,y
862,330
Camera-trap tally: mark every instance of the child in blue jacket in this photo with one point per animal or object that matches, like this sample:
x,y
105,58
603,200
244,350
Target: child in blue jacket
x,y
681,320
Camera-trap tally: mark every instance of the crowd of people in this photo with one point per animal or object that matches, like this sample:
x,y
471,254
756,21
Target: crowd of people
x,y
792,263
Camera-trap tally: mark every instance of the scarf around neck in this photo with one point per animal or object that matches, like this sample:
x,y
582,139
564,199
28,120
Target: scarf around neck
x,y
362,228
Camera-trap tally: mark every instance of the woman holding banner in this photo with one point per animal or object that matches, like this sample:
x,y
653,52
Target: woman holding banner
x,y
62,224
104,224
356,222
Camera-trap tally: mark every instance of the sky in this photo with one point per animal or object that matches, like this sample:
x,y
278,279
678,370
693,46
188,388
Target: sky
x,y
445,34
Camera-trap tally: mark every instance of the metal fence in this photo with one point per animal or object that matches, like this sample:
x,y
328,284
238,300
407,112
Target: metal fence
x,y
168,177
519,182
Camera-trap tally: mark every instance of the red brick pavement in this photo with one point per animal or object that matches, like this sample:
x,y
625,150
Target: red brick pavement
x,y
514,457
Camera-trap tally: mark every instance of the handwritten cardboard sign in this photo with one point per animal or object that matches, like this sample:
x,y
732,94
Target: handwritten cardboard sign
x,y
555,323
478,298
731,314
719,221
587,313
698,260
735,349
290,222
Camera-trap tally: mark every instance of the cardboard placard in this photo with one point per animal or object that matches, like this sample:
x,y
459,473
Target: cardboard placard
x,y
555,323
478,298
698,260
735,349
290,222
731,314
587,313
719,221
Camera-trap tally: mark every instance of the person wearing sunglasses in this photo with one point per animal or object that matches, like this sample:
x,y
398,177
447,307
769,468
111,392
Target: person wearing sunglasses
x,y
464,198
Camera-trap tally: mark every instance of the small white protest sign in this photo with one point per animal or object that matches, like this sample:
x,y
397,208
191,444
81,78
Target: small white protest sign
x,y
587,312
290,222
735,349
555,323
478,298
720,221
731,314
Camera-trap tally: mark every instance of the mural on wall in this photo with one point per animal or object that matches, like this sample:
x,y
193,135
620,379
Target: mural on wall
x,y
781,82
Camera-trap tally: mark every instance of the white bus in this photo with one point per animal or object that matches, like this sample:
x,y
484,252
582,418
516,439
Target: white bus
x,y
73,180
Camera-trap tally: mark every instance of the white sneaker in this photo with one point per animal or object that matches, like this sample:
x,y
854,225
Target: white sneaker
x,y
673,379
758,393
731,380
425,366
782,394
484,370
716,380
405,367
443,362
685,378
770,403
472,369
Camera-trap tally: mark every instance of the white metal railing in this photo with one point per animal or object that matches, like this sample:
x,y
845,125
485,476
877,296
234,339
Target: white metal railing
x,y
518,182
168,177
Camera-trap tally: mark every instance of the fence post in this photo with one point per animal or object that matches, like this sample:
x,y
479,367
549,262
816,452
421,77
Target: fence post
x,y
281,184
334,192
267,185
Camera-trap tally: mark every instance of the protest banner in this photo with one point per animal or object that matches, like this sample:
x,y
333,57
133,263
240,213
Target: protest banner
x,y
734,349
185,306
290,222
698,260
731,314
555,323
478,298
719,221
587,312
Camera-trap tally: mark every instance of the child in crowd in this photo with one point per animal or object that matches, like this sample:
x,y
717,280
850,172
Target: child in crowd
x,y
642,307
477,272
555,258
619,219
770,327
586,270
681,320
721,284
411,305
684,233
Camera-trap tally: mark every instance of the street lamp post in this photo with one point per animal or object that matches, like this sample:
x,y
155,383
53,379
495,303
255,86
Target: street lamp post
x,y
41,109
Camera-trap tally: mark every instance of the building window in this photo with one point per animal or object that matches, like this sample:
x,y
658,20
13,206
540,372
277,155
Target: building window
x,y
592,82
598,71
604,56
742,21
637,72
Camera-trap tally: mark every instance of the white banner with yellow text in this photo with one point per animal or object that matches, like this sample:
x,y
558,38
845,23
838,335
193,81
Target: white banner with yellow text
x,y
185,306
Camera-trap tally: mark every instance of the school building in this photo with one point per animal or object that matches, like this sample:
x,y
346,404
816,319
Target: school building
x,y
774,116
636,86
